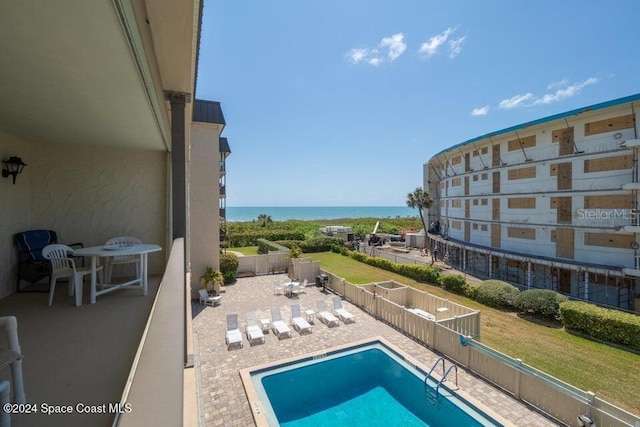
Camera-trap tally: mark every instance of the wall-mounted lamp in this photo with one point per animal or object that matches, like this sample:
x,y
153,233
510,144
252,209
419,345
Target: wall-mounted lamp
x,y
13,167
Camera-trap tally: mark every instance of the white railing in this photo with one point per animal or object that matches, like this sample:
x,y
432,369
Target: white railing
x,y
395,304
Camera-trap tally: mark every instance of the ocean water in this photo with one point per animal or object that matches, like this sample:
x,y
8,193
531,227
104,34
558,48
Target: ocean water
x,y
319,212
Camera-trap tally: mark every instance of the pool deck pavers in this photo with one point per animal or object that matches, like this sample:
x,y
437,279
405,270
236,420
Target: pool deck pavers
x,y
222,398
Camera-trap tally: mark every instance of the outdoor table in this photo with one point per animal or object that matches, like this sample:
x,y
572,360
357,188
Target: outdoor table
x,y
107,251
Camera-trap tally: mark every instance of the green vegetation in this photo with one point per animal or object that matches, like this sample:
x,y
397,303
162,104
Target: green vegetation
x,y
496,293
246,250
418,272
229,267
602,323
589,365
420,200
241,234
541,302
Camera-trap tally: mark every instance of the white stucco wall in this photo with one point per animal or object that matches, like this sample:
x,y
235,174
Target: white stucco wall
x,y
204,193
86,194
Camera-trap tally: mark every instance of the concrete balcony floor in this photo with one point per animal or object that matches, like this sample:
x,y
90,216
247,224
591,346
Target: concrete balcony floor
x,y
74,354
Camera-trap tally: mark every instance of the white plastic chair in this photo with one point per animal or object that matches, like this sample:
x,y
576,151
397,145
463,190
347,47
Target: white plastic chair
x,y
11,357
64,266
279,327
233,336
303,286
206,299
325,316
122,259
342,313
277,288
254,332
299,323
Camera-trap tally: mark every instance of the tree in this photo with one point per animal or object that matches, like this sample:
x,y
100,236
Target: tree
x,y
264,219
422,200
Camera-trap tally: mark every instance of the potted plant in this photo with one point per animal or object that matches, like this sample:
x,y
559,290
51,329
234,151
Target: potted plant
x,y
212,279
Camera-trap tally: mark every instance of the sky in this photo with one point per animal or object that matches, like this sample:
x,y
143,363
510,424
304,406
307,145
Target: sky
x,y
341,103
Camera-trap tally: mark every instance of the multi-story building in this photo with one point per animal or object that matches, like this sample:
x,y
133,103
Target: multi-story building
x,y
551,203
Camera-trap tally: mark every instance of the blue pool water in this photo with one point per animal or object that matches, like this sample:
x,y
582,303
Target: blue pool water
x,y
369,385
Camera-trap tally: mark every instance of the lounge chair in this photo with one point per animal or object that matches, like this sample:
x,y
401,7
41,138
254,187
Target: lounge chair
x,y
234,336
343,314
299,323
279,326
303,286
207,299
254,332
325,316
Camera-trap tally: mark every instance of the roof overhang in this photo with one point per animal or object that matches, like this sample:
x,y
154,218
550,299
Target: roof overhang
x,y
95,72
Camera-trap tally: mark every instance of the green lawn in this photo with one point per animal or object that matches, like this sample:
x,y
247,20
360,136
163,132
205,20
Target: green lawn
x,y
246,250
611,373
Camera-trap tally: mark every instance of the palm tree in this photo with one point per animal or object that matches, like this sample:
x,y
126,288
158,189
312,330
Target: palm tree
x,y
422,200
264,219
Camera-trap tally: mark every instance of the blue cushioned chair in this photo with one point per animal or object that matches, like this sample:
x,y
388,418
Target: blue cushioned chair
x,y
32,266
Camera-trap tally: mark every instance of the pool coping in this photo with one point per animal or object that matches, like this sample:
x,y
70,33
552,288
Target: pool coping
x,y
258,412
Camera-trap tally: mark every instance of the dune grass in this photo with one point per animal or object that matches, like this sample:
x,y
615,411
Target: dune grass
x,y
611,373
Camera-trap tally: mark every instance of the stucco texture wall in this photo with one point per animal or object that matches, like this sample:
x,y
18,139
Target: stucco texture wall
x,y
204,196
86,194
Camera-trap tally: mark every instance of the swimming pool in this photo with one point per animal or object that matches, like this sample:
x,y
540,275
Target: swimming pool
x,y
366,384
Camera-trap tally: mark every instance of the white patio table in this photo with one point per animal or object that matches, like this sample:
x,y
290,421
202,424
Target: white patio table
x,y
95,252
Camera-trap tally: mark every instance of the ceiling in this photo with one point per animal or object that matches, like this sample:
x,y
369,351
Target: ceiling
x,y
69,72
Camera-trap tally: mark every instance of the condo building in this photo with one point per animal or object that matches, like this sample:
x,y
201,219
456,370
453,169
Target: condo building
x,y
551,204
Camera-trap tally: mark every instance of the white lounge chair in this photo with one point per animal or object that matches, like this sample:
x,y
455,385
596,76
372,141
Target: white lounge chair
x,y
325,316
207,299
299,323
234,336
278,325
343,314
254,332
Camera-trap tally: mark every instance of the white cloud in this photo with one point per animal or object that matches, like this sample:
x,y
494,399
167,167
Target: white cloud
x,y
567,92
529,99
557,84
481,111
357,55
375,61
430,47
515,101
395,44
455,47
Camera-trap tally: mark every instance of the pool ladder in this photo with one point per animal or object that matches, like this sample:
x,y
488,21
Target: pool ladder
x,y
428,389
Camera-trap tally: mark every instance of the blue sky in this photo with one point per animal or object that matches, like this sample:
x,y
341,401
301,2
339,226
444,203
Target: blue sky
x,y
340,103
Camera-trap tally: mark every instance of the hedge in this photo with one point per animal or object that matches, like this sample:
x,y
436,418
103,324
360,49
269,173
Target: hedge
x,y
318,244
496,293
419,273
455,283
543,302
250,238
601,323
264,246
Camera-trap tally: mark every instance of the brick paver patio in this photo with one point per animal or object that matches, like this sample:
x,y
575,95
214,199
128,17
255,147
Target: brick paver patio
x,y
222,399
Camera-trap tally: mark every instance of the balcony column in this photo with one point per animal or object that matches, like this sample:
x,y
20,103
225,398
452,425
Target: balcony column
x,y
178,102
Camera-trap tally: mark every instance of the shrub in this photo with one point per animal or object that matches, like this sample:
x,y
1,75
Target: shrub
x,y
229,277
496,293
471,291
543,302
319,244
456,283
229,263
264,246
601,323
